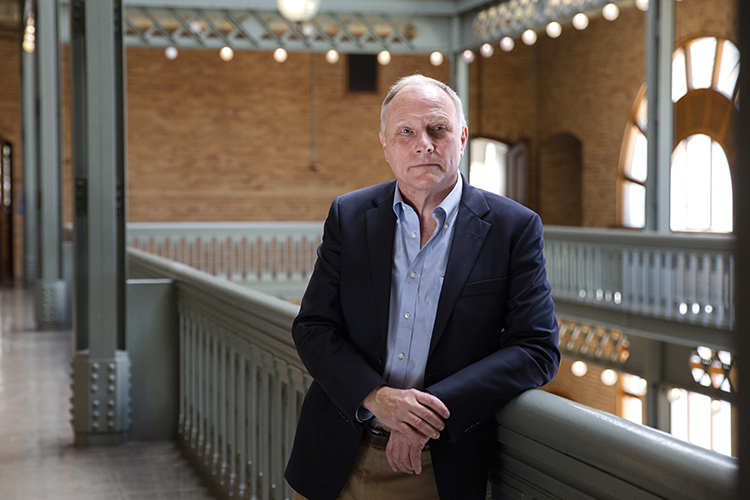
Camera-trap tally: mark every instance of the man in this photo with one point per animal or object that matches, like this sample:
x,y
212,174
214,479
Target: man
x,y
427,311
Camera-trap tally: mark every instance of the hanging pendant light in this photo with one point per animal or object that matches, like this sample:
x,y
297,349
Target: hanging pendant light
x,y
298,10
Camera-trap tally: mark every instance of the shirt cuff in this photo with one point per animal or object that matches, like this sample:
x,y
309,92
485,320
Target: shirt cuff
x,y
363,414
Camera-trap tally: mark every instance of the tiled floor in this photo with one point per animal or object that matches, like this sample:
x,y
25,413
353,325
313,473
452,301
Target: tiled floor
x,y
37,457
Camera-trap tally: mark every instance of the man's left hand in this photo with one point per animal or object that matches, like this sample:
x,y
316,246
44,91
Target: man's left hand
x,y
403,454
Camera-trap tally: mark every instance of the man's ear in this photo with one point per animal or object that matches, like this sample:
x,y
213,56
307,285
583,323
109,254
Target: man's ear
x,y
385,149
464,139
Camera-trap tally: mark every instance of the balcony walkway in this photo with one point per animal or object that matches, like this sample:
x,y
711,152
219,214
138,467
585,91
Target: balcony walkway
x,y
37,457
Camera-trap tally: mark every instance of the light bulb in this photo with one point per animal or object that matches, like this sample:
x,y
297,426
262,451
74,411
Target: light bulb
x,y
674,394
642,4
609,377
580,21
332,56
226,54
529,37
486,50
469,56
579,368
384,57
554,29
280,55
170,53
436,58
507,44
610,12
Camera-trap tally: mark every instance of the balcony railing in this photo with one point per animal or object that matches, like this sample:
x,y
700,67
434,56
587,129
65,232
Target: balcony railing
x,y
242,386
678,287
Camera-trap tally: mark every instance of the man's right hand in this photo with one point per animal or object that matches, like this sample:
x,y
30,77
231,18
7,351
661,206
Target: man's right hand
x,y
416,414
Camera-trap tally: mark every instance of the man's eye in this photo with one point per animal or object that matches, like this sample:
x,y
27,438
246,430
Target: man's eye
x,y
405,130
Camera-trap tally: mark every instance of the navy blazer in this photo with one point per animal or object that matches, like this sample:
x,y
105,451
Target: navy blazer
x,y
495,335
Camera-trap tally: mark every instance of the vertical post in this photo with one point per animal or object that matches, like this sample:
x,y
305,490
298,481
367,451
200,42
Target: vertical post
x,y
742,251
51,294
660,132
658,410
101,367
30,161
460,83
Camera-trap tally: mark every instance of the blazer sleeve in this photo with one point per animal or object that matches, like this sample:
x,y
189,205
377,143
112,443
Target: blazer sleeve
x,y
320,331
528,355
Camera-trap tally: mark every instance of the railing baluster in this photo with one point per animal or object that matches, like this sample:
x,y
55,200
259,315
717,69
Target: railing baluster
x,y
241,443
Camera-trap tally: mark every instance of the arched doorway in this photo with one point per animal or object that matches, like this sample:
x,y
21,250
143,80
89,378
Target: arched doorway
x,y
6,211
560,180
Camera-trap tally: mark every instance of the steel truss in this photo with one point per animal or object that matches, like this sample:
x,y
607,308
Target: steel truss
x,y
255,30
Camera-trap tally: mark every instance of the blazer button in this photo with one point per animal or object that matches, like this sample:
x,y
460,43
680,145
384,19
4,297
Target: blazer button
x,y
380,361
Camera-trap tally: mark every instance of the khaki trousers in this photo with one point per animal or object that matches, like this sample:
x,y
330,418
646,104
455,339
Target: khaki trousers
x,y
372,478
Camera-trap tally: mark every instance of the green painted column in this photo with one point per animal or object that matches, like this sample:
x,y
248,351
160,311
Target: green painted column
x,y
101,366
30,160
51,301
660,131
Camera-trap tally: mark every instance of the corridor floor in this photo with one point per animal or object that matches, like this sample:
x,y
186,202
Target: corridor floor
x,y
37,458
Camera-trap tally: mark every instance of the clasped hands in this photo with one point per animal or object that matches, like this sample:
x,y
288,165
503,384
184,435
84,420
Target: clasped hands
x,y
414,418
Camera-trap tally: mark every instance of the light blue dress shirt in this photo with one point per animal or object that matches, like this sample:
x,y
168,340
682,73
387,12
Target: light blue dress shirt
x,y
416,282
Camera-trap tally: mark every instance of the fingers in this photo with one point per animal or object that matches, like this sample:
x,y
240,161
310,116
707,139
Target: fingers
x,y
430,401
408,411
404,455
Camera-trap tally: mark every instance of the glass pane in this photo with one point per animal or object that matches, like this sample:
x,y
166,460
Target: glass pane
x,y
699,419
487,168
729,69
641,116
638,169
679,415
702,56
632,409
634,204
698,182
679,75
678,185
721,191
722,427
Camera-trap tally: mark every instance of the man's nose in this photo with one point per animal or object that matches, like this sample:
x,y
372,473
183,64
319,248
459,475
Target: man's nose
x,y
424,143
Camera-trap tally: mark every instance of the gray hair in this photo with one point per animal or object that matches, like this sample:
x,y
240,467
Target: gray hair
x,y
408,81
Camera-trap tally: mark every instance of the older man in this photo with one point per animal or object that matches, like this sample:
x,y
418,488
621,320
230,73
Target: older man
x,y
428,310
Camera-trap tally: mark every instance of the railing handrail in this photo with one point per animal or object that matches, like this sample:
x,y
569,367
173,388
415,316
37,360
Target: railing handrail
x,y
645,239
222,226
280,313
641,456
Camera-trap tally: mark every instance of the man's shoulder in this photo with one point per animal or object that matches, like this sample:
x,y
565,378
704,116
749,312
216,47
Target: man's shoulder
x,y
378,193
500,206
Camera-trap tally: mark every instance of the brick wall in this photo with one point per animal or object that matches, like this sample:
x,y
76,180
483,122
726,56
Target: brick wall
x,y
210,140
587,390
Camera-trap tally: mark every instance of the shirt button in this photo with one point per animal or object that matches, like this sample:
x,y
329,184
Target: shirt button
x,y
407,315
414,235
445,226
401,356
413,274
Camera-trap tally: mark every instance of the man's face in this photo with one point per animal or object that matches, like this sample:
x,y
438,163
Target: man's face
x,y
423,140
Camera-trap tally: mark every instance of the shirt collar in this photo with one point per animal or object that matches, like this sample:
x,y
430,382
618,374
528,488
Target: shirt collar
x,y
449,205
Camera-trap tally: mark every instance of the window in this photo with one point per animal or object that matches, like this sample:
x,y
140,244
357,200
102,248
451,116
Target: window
x,y
700,420
706,97
487,169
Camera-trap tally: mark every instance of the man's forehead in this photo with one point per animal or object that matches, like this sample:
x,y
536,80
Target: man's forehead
x,y
420,100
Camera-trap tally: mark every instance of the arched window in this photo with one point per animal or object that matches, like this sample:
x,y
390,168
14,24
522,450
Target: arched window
x,y
487,169
706,96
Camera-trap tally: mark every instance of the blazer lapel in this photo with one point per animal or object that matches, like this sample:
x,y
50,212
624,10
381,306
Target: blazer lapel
x,y
381,222
468,238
